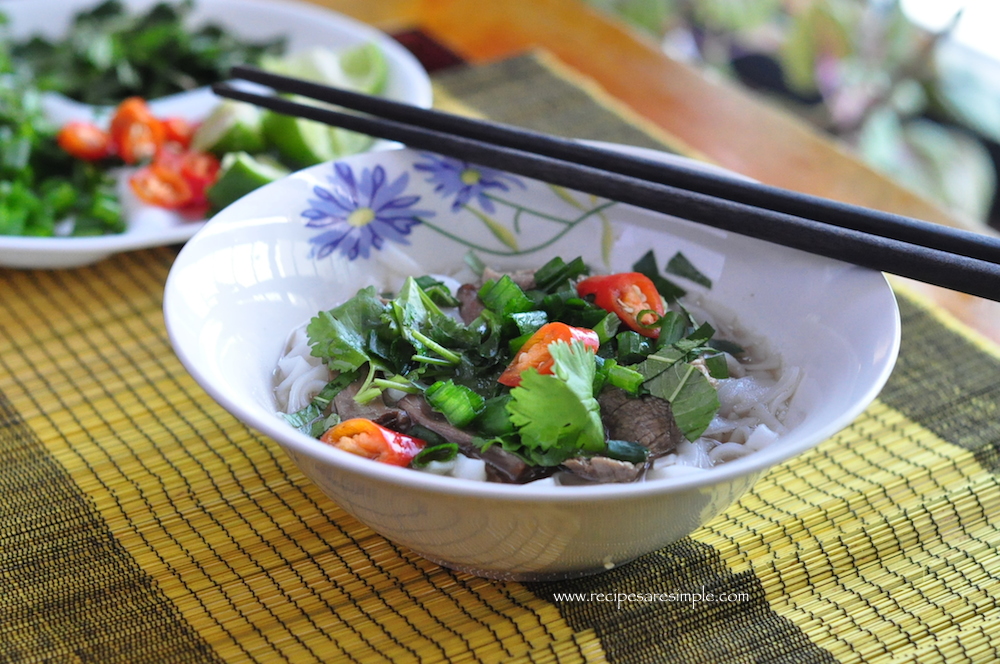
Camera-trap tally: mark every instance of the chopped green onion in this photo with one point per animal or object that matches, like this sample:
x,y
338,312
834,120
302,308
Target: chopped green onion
x,y
528,322
505,297
556,273
632,347
443,452
607,328
514,345
457,403
624,450
627,379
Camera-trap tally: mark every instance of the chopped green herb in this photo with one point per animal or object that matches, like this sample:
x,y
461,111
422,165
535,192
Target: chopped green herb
x,y
717,366
693,400
442,452
679,265
505,297
340,335
437,291
557,415
648,266
556,274
625,450
110,53
457,403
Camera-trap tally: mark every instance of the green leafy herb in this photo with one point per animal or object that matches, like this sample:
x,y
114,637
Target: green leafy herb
x,y
109,54
682,267
717,366
43,191
505,297
494,420
441,452
340,335
556,274
310,420
693,400
437,291
648,266
557,415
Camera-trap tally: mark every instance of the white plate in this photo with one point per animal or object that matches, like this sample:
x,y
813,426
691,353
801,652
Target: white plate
x,y
304,26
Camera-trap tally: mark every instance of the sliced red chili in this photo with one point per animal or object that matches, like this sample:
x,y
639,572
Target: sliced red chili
x,y
201,170
161,187
84,140
136,133
534,354
365,438
630,295
178,130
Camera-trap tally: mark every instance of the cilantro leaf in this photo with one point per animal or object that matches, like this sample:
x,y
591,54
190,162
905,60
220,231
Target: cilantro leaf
x,y
339,335
557,415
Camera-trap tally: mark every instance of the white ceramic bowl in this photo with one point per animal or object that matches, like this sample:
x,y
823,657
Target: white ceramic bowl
x,y
304,26
257,270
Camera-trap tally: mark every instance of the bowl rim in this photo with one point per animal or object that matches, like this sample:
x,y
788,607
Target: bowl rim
x,y
748,466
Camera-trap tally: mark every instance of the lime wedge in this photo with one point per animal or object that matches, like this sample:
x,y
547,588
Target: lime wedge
x,y
240,174
302,142
350,142
318,64
232,126
365,68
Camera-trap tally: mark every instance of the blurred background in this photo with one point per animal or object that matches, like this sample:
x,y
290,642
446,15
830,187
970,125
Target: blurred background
x,y
912,86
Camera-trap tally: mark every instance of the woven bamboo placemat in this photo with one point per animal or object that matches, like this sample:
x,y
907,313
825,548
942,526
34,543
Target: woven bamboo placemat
x,y
140,522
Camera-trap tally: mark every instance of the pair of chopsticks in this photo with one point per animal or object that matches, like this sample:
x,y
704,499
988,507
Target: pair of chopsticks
x,y
943,256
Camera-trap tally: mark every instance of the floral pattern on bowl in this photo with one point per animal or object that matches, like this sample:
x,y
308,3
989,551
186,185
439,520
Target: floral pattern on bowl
x,y
359,210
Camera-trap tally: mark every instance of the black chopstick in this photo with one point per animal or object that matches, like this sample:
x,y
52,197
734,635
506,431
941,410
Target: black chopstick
x,y
973,245
931,265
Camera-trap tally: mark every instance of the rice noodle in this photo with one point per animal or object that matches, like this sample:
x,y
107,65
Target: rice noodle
x,y
299,375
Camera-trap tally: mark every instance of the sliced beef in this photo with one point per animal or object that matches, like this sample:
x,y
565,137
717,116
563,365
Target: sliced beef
x,y
523,278
646,420
375,410
470,305
501,465
604,469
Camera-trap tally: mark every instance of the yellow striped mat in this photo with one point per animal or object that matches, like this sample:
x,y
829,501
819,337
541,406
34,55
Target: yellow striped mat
x,y
139,522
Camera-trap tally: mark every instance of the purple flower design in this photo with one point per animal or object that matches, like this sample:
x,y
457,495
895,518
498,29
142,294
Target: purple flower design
x,y
361,213
464,181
